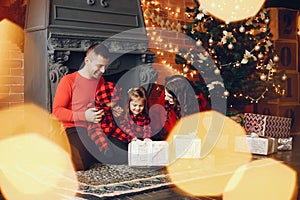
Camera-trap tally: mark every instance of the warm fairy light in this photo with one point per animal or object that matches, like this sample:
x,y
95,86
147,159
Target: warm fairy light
x,y
155,19
269,69
284,77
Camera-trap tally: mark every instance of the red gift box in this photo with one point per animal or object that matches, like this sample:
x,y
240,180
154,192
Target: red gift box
x,y
267,125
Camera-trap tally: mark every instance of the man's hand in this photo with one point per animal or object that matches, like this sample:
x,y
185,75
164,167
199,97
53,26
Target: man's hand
x,y
94,115
117,111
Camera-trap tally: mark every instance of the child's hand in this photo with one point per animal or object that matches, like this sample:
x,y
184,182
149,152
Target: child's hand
x,y
117,111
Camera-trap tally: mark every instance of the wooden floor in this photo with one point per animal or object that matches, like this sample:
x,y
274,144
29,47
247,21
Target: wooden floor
x,y
291,158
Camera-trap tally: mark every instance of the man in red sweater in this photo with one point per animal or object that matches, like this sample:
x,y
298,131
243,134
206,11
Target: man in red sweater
x,y
71,105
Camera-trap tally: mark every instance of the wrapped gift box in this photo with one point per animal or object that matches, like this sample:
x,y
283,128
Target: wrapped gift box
x,y
285,144
148,153
267,125
256,145
187,146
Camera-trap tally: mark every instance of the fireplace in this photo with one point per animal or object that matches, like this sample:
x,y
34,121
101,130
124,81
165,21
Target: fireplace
x,y
58,33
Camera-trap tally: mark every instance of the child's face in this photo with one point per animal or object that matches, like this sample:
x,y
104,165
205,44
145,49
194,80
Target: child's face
x,y
136,106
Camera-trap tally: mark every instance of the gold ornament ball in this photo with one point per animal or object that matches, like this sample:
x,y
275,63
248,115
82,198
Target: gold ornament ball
x,y
276,58
199,43
257,48
260,56
185,70
263,77
217,71
230,46
242,29
226,93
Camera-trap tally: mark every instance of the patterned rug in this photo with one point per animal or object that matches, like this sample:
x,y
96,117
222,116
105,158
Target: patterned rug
x,y
110,181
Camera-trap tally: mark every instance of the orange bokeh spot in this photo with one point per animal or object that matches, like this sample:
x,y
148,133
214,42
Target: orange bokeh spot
x,y
35,155
33,167
262,179
29,118
232,10
209,174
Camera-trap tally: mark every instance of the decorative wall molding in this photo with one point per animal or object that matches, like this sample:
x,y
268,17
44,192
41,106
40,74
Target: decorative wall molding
x,y
80,44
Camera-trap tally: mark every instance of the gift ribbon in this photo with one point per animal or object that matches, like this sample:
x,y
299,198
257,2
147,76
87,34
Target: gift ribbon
x,y
258,135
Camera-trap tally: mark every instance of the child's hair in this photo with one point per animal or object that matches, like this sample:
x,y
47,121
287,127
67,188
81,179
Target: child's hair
x,y
137,93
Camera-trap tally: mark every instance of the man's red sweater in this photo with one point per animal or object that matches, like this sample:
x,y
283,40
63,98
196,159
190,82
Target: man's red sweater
x,y
72,97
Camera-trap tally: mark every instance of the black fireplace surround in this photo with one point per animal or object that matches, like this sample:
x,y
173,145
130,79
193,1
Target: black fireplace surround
x,y
58,33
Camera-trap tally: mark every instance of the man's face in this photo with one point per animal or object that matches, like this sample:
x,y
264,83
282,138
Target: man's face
x,y
96,65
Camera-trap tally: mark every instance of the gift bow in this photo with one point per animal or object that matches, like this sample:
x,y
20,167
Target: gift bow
x,y
258,135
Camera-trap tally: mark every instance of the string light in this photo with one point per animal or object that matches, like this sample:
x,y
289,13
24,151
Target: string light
x,y
168,19
165,17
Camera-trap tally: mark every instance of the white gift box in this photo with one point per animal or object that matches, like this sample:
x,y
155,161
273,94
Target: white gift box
x,y
256,145
187,146
285,144
148,153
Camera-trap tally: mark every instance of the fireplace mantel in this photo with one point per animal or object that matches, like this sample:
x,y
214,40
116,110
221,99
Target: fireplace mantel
x,y
58,33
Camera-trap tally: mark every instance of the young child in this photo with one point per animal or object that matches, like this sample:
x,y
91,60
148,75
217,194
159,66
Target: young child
x,y
107,98
136,122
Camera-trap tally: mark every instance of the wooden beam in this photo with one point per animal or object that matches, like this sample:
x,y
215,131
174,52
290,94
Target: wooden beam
x,y
291,4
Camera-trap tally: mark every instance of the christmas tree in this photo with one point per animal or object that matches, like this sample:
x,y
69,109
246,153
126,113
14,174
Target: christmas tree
x,y
242,53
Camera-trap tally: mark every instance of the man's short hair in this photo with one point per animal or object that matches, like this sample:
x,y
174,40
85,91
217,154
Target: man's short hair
x,y
99,49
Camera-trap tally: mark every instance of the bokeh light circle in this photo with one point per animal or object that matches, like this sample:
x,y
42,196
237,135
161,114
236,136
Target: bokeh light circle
x,y
232,10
